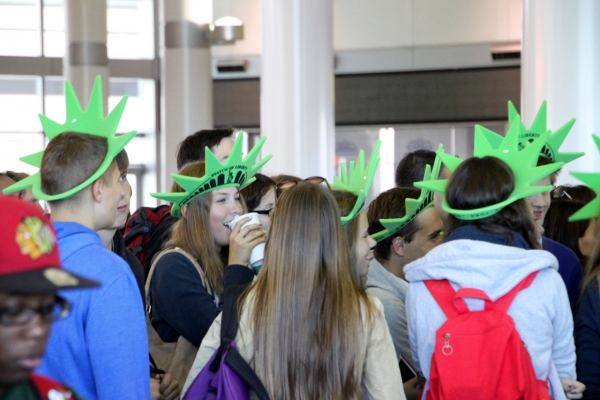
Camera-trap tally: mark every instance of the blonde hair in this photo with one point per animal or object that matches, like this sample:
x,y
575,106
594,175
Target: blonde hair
x,y
307,306
194,235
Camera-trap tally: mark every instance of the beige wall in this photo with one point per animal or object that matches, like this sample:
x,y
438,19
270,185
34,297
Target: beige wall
x,y
376,24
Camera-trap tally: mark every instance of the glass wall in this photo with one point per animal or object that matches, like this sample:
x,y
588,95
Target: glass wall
x,y
36,29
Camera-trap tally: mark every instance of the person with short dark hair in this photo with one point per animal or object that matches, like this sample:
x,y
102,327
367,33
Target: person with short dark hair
x,y
192,148
412,167
414,235
31,276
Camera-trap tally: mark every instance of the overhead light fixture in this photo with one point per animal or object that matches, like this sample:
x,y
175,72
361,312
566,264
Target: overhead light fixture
x,y
226,30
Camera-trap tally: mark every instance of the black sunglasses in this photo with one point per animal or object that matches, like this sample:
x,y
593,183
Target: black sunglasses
x,y
313,179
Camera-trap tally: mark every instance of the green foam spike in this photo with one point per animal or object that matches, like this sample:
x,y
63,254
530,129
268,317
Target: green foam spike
x,y
413,207
236,171
592,179
522,162
357,180
538,127
92,122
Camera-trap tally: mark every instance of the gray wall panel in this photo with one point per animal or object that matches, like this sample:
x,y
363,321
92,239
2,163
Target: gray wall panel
x,y
409,97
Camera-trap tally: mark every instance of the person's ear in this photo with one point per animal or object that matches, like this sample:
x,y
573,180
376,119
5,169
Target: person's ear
x,y
98,190
398,246
184,211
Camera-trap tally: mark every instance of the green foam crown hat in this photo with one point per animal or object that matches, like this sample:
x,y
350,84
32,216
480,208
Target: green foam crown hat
x,y
91,122
413,207
537,128
592,179
235,171
522,162
357,180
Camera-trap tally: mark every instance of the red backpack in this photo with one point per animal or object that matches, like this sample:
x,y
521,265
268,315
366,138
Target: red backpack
x,y
480,354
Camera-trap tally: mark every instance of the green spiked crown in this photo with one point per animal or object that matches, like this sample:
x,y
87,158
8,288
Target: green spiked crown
x,y
357,180
538,127
522,162
235,171
91,122
413,207
591,209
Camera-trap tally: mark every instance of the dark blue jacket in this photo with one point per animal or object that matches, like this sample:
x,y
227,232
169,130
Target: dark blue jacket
x,y
587,340
568,268
181,305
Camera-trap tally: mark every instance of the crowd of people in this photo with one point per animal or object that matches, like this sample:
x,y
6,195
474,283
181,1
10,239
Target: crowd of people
x,y
467,280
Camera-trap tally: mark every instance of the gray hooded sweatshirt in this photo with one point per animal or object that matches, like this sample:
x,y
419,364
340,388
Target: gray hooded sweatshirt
x,y
541,312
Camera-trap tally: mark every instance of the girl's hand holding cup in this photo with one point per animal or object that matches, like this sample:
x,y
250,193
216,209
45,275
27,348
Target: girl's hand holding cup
x,y
246,242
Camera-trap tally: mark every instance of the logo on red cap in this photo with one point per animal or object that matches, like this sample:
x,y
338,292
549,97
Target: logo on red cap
x,y
34,237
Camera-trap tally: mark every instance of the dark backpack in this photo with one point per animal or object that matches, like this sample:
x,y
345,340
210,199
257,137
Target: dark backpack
x,y
227,375
139,230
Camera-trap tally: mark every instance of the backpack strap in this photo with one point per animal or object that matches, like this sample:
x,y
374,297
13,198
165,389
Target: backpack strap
x,y
229,328
504,302
444,294
190,259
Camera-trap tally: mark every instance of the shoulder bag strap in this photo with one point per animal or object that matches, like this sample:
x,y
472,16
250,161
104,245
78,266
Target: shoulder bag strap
x,y
229,328
190,259
444,293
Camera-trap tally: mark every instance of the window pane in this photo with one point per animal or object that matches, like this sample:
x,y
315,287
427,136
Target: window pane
x,y
16,145
139,115
54,98
20,102
54,28
19,28
130,25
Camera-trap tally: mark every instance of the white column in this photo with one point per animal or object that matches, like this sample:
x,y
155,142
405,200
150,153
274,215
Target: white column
x,y
561,64
186,77
297,86
86,55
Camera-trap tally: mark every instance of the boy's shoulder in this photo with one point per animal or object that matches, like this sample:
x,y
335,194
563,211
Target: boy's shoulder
x,y
82,252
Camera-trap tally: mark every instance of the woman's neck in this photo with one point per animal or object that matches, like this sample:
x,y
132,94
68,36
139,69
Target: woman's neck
x,y
106,235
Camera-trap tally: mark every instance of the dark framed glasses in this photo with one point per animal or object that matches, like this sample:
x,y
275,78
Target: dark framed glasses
x,y
21,316
268,212
560,191
313,179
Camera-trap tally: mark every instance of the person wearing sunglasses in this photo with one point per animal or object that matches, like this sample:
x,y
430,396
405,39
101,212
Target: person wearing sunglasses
x,y
578,236
31,276
260,197
568,262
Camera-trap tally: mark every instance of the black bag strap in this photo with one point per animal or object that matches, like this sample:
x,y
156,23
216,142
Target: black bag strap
x,y
229,328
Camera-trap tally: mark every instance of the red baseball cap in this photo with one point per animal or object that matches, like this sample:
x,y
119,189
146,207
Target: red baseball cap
x,y
29,259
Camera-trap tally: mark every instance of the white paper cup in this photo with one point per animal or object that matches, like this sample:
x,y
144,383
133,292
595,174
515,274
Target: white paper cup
x,y
258,252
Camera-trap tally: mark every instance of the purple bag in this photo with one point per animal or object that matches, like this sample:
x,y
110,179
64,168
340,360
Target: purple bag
x,y
220,384
227,376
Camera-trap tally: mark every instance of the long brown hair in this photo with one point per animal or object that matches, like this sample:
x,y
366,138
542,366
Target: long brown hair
x,y
479,182
307,306
592,268
346,201
194,235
